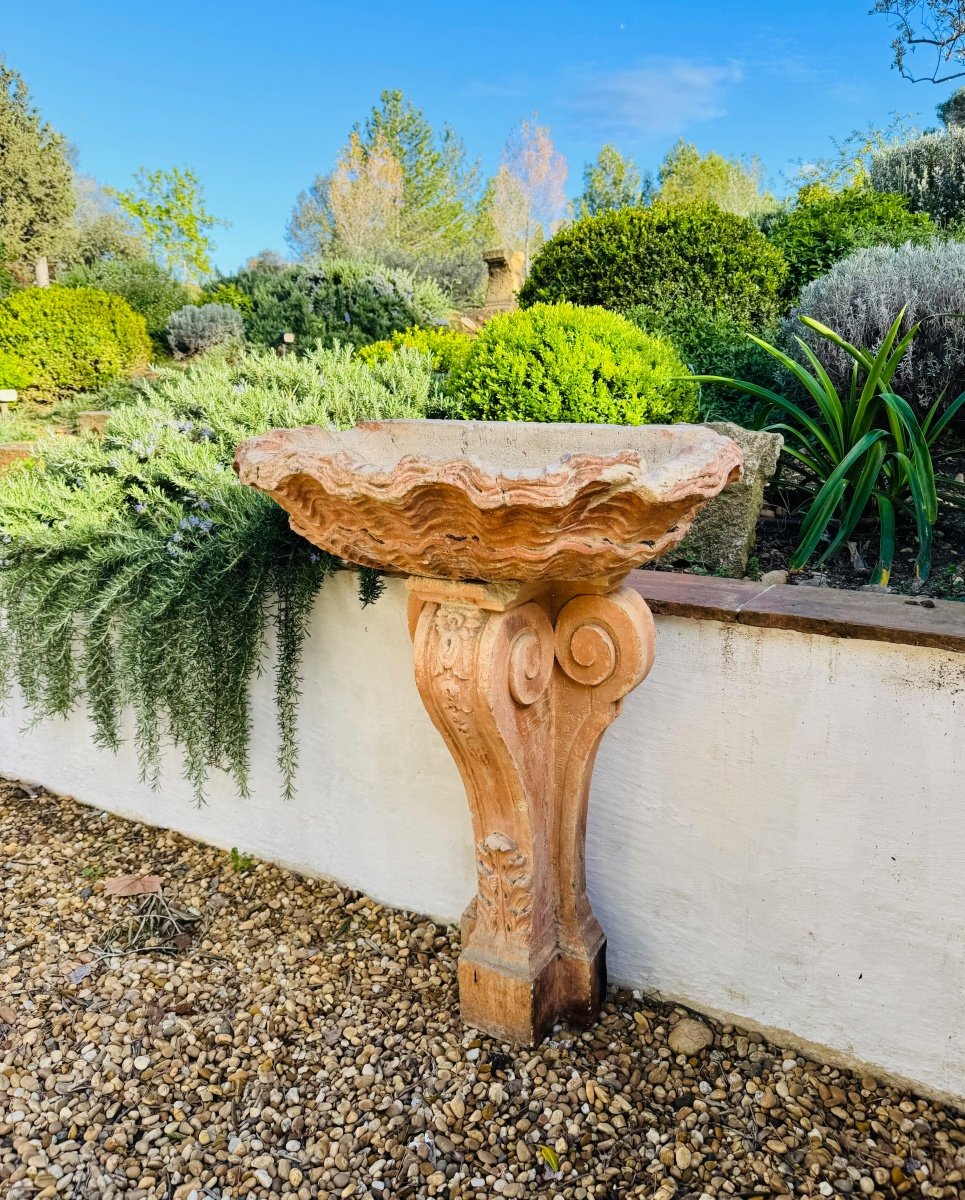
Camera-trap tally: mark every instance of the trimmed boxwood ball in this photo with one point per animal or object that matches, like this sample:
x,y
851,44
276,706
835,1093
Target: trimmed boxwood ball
x,y
654,256
444,346
559,362
147,288
72,339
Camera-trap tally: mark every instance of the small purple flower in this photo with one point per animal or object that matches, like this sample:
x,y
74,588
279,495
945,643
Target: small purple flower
x,y
140,508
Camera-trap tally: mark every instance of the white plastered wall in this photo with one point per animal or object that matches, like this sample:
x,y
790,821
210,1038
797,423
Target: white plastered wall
x,y
777,826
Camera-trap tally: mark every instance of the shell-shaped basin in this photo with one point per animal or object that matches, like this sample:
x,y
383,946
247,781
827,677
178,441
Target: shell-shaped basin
x,y
492,500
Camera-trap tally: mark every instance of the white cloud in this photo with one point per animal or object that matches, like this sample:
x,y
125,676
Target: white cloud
x,y
662,96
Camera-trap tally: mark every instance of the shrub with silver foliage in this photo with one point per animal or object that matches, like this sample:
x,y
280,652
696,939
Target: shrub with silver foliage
x,y
930,172
193,329
861,296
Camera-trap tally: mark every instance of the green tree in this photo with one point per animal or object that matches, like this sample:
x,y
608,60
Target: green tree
x,y
168,209
36,198
951,112
732,184
612,182
440,186
438,225
98,230
311,226
937,28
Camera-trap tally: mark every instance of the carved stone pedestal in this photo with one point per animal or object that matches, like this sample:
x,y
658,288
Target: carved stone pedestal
x,y
522,679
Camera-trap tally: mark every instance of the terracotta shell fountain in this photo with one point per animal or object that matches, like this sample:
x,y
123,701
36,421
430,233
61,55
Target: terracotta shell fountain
x,y
516,538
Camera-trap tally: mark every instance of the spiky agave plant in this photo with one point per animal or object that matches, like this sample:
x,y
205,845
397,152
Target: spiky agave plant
x,y
865,447
137,573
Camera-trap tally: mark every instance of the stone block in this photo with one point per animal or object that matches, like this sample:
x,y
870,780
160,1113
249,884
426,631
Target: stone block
x,y
11,452
722,535
507,271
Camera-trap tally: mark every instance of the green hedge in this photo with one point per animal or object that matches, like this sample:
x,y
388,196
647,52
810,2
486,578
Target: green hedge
x,y
715,343
558,362
223,291
351,303
72,339
660,255
13,374
825,227
147,288
929,172
446,347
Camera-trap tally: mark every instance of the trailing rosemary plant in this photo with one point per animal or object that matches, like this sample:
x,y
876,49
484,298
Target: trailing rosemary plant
x,y
137,573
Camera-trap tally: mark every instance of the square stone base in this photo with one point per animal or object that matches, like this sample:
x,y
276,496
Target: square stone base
x,y
521,1007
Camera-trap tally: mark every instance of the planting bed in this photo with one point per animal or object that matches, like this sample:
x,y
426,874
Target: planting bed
x,y
777,536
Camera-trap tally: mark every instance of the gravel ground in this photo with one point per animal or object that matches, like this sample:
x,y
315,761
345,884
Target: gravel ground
x,y
251,1032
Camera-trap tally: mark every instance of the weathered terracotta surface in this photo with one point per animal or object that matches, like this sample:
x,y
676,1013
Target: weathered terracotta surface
x,y
522,687
492,500
517,538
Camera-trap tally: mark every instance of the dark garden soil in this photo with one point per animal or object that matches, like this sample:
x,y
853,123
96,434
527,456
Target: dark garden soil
x,y
777,534
852,568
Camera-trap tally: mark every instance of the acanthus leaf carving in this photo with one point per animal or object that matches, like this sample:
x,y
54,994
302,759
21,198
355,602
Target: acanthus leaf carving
x,y
522,686
457,628
505,886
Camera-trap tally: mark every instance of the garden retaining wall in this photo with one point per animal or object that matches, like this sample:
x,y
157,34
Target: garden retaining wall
x,y
777,827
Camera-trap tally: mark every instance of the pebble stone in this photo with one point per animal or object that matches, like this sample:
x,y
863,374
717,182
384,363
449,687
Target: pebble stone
x,y
303,1041
689,1036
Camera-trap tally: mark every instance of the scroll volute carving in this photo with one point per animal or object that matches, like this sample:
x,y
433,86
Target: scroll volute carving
x,y
522,685
604,647
521,673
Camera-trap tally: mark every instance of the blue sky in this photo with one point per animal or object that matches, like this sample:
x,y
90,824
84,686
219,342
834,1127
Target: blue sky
x,y
259,97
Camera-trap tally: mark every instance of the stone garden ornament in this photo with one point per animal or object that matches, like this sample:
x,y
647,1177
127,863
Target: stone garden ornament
x,y
516,539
